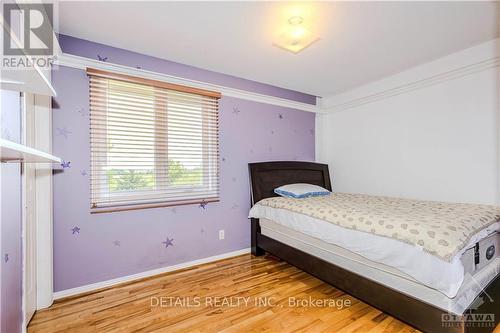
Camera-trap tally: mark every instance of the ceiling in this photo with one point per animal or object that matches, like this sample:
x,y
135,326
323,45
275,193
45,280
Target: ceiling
x,y
360,41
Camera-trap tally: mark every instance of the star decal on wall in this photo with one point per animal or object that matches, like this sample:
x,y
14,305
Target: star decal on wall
x,y
75,230
236,111
6,258
116,243
82,112
102,58
280,116
168,242
63,132
203,204
223,159
83,172
65,164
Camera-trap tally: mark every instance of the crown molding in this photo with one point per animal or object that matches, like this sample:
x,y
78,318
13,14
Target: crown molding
x,y
73,61
463,63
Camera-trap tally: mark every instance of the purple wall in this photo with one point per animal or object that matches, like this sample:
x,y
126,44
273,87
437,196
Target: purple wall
x,y
114,55
10,220
117,244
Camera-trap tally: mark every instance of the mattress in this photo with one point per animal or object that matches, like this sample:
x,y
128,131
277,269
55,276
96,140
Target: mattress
x,y
386,275
429,270
440,228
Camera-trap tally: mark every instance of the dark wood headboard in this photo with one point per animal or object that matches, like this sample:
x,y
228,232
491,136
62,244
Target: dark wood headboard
x,y
266,176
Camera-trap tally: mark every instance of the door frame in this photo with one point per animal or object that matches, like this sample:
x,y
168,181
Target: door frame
x,y
42,139
28,179
44,211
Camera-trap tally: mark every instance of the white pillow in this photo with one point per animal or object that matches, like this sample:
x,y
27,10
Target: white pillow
x,y
300,190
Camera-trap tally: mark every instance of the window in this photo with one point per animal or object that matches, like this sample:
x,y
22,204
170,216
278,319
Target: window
x,y
152,143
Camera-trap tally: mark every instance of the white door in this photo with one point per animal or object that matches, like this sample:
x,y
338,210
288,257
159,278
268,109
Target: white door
x,y
29,214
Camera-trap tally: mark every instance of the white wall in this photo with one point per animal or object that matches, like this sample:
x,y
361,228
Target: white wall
x,y
431,132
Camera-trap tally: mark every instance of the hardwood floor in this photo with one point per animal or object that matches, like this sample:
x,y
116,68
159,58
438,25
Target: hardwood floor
x,y
205,299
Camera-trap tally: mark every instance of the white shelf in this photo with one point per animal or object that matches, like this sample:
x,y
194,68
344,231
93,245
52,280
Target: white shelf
x,y
12,151
31,80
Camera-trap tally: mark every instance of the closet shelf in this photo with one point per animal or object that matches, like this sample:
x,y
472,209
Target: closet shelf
x,y
11,151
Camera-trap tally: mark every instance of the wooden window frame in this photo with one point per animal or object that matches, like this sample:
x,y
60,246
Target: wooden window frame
x,y
159,150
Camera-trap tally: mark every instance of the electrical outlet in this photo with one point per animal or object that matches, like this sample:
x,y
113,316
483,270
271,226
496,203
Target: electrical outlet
x,y
221,234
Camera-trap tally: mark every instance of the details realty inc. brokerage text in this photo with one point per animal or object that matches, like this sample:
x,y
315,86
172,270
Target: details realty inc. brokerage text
x,y
237,301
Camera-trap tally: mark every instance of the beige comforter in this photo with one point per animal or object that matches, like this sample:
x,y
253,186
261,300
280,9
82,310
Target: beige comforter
x,y
441,229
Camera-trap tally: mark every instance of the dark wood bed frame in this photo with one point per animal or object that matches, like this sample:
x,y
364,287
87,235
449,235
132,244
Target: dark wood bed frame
x,y
266,176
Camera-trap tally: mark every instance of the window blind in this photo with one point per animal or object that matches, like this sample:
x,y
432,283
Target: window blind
x,y
152,143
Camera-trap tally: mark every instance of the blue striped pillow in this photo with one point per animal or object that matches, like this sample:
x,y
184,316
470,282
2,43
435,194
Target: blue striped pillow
x,y
300,191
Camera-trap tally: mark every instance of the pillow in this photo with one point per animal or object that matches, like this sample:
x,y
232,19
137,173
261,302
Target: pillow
x,y
300,190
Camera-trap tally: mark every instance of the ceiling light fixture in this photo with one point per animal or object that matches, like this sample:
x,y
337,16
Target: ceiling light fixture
x,y
296,36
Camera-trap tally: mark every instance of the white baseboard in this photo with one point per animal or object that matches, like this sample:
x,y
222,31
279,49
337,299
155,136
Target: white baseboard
x,y
129,278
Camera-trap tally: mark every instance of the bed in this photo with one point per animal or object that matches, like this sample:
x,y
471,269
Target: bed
x,y
428,307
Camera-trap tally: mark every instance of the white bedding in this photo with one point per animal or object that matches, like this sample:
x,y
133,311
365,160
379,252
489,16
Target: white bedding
x,y
446,277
